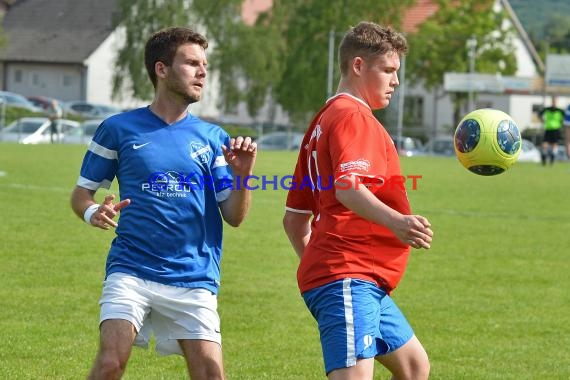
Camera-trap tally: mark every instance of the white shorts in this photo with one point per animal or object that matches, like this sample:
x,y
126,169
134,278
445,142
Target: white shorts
x,y
170,312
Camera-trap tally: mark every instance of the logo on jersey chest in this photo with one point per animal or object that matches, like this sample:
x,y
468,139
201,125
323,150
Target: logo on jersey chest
x,y
200,153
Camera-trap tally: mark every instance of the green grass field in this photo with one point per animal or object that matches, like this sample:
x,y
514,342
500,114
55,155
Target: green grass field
x,y
490,300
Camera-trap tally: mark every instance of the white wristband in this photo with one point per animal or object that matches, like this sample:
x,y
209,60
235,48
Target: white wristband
x,y
89,212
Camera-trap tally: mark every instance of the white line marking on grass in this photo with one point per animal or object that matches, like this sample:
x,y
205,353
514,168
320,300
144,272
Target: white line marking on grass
x,y
506,216
3,174
34,187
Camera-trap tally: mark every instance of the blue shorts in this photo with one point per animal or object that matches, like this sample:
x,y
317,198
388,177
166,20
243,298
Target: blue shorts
x,y
357,320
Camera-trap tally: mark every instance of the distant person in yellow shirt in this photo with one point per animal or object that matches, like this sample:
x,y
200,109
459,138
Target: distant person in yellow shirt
x,y
552,118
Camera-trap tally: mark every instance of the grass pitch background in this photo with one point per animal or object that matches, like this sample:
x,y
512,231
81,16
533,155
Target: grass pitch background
x,y
490,300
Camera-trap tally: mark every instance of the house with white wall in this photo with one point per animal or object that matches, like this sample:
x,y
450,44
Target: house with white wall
x,y
434,113
63,49
66,49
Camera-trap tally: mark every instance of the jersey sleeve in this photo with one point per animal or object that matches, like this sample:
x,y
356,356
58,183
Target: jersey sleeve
x,y
221,171
358,147
300,198
100,163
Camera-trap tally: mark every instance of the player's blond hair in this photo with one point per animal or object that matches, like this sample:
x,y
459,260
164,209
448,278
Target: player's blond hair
x,y
369,40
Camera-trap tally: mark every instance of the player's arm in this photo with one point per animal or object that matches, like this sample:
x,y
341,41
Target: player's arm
x,y
235,208
298,229
98,215
240,155
413,230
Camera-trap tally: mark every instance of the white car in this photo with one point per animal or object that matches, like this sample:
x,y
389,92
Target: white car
x,y
440,146
36,130
12,99
280,141
408,146
529,152
90,110
83,134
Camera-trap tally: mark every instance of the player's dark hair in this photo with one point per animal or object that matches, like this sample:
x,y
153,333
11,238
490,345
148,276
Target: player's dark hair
x,y
162,46
369,40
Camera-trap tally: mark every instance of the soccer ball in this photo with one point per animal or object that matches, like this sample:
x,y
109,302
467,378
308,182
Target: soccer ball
x,y
487,142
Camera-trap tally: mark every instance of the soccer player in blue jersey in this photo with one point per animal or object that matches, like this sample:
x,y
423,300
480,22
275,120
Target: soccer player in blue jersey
x,y
176,176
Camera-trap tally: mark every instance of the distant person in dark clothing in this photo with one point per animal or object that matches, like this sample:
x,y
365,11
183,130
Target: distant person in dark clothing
x,y
55,113
552,118
567,131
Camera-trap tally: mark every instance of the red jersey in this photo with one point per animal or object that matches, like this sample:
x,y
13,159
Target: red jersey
x,y
344,139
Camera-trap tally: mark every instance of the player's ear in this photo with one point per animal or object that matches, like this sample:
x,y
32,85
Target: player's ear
x,y
357,65
160,69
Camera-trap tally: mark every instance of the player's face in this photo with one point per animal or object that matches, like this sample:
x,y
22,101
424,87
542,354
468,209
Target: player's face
x,y
379,78
185,78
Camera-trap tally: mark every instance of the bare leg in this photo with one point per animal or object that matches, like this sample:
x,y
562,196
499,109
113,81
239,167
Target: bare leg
x,y
409,362
115,345
553,152
203,358
544,152
363,370
567,141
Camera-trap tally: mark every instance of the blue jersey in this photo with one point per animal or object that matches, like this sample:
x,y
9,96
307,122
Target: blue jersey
x,y
175,175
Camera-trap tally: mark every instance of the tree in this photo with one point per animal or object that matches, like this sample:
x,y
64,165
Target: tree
x,y
557,34
284,56
138,19
440,45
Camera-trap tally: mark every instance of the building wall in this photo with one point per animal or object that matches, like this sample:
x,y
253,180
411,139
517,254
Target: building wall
x,y
62,81
99,79
99,72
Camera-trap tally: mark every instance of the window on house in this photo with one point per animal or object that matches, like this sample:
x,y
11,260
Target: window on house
x,y
18,76
483,104
35,79
414,110
67,80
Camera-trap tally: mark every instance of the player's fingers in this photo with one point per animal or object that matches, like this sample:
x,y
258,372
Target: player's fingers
x,y
105,221
109,199
238,142
246,143
428,232
420,243
423,220
229,155
97,221
252,147
122,204
420,240
107,209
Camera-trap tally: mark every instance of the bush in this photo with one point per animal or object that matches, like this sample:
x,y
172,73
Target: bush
x,y
240,130
14,113
534,135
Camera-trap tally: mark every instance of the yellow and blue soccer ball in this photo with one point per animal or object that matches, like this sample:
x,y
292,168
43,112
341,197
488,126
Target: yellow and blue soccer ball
x,y
487,141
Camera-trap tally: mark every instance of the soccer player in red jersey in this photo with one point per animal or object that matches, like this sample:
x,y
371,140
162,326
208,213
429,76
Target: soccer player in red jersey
x,y
350,224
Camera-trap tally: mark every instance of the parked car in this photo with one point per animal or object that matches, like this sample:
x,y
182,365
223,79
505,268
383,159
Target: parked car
x,y
529,152
83,134
440,146
408,146
43,102
90,110
36,130
280,141
13,99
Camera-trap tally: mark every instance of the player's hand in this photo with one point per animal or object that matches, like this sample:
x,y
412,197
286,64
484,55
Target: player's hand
x,y
240,155
103,217
415,231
